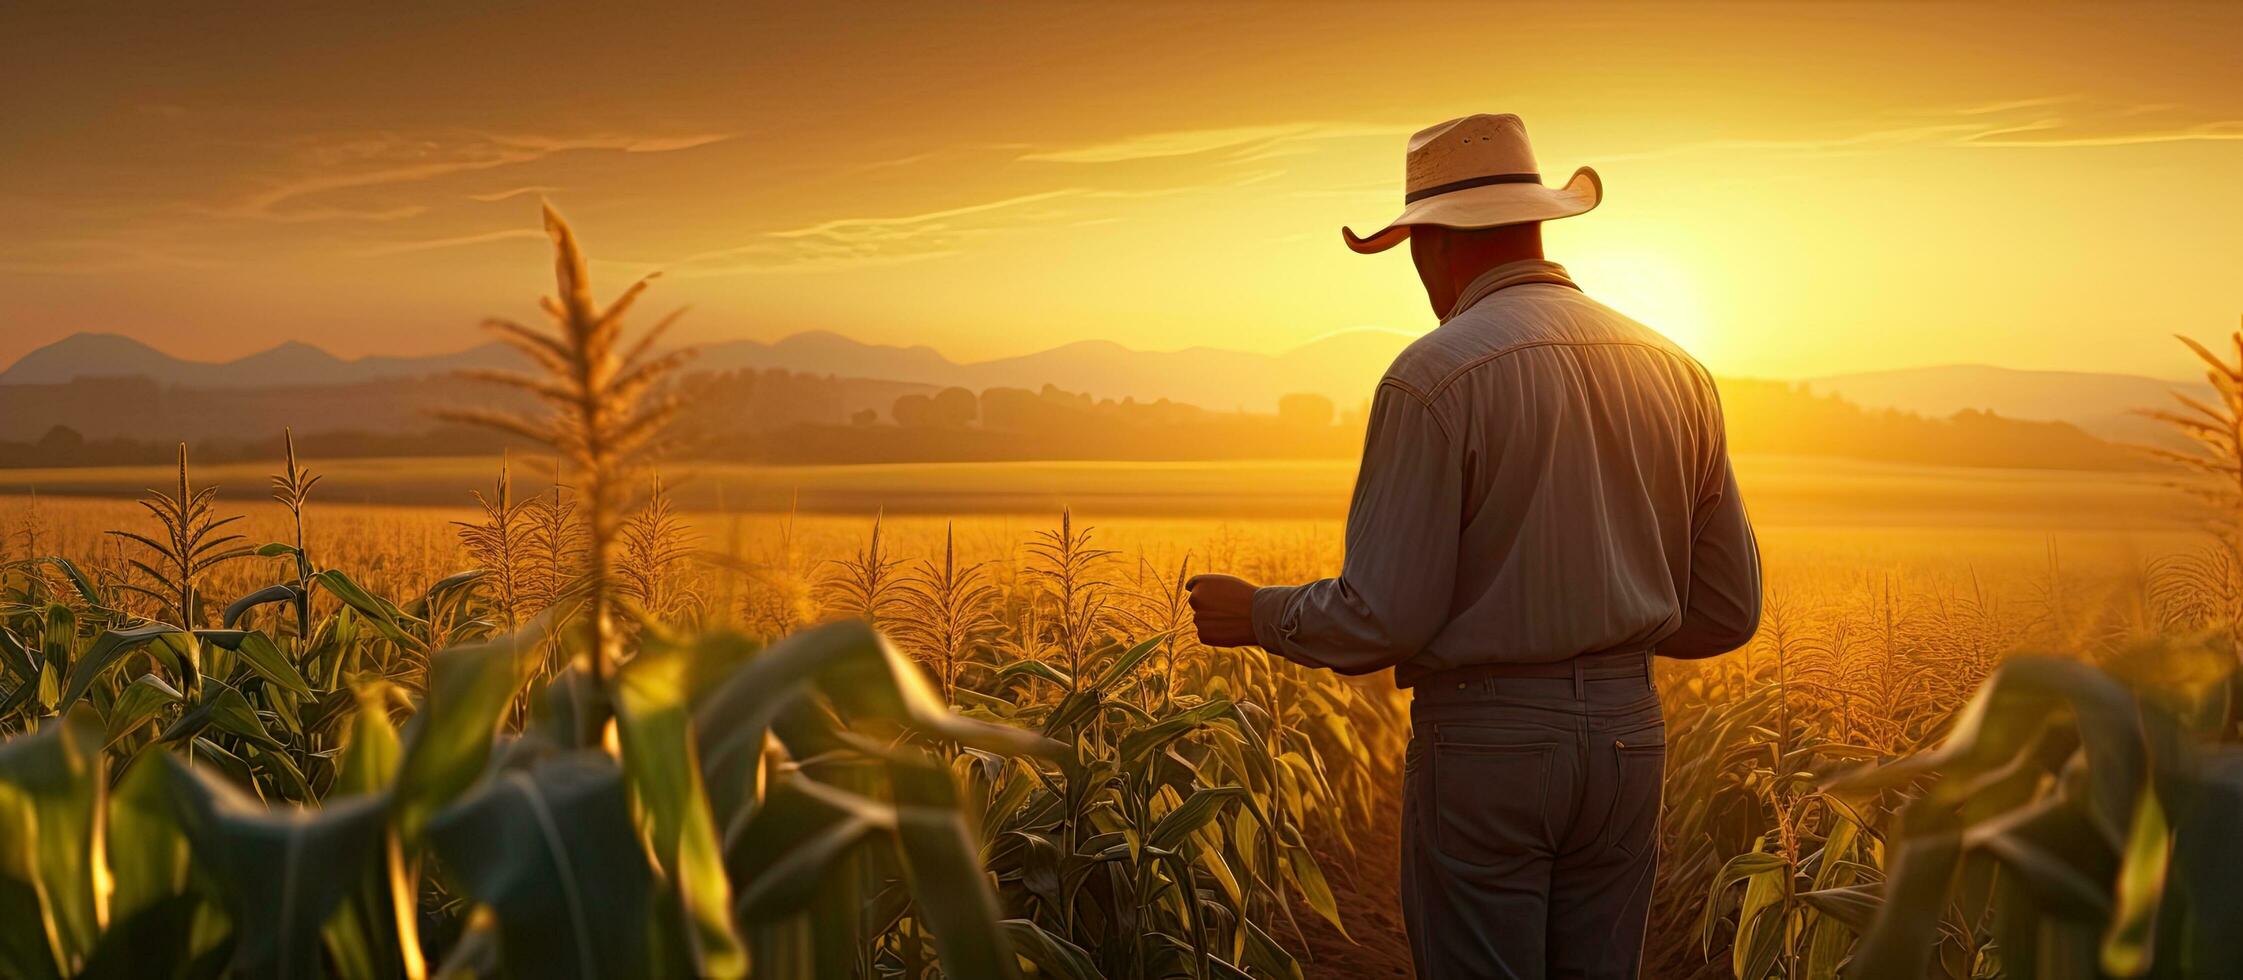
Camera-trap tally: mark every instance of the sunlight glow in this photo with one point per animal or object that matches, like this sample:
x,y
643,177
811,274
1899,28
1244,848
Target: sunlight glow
x,y
1654,288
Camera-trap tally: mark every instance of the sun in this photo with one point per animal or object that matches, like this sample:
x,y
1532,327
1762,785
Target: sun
x,y
1652,287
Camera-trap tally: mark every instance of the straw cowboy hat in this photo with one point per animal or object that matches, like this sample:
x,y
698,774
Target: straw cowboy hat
x,y
1477,172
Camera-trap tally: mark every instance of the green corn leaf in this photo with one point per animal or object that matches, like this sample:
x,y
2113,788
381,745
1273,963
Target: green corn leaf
x,y
950,890
1031,667
87,592
1308,876
224,709
2132,936
387,619
859,673
281,872
370,757
781,855
2206,852
375,935
53,791
1140,744
866,680
1854,905
553,852
1204,805
2056,851
139,703
1128,661
1900,940
654,725
173,647
1052,956
448,743
153,910
262,656
57,646
283,592
28,672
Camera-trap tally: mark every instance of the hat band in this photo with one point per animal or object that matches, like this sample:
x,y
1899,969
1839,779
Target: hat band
x,y
1464,185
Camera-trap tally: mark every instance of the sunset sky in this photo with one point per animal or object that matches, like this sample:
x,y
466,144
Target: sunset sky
x,y
1790,191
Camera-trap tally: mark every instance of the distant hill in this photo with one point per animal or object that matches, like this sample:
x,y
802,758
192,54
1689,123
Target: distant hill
x,y
1343,366
2102,404
108,355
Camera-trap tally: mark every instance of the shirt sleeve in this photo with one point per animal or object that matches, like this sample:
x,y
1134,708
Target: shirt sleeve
x,y
1722,610
1398,579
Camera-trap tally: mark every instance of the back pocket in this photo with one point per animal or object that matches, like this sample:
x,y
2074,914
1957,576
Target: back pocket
x,y
1491,802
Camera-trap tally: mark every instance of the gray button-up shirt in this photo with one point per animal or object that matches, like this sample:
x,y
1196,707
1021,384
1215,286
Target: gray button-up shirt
x,y
1542,478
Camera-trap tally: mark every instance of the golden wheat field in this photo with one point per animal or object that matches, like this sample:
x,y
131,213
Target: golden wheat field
x,y
1882,621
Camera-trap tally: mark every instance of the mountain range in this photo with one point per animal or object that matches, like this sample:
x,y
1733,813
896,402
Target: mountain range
x,y
1342,366
2104,404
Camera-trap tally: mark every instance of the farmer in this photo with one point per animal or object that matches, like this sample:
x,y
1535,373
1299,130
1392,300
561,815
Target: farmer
x,y
1545,501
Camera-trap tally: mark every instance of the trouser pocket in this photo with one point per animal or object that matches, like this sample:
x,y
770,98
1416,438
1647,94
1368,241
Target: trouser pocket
x,y
1491,800
1639,770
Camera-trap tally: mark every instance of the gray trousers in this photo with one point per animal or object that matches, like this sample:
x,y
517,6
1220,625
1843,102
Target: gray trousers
x,y
1530,814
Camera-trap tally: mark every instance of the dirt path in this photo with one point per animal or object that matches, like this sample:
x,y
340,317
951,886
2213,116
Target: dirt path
x,y
1367,883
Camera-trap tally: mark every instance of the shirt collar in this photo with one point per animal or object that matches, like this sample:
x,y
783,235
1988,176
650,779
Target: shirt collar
x,y
1505,276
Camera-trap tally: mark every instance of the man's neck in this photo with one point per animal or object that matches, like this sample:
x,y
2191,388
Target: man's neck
x,y
1469,267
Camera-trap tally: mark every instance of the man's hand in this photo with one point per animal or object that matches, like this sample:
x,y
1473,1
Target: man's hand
x,y
1222,609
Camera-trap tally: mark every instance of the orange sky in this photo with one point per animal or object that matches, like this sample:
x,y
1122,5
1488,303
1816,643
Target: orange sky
x,y
1790,191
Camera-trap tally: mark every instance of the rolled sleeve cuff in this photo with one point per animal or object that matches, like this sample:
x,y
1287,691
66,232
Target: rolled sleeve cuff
x,y
1272,629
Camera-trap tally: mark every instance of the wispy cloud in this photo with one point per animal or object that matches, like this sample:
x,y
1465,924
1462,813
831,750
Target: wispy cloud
x,y
2058,132
367,162
514,192
455,241
875,229
856,242
2042,122
1175,143
1191,142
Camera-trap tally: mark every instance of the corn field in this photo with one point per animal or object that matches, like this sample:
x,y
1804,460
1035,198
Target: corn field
x,y
573,730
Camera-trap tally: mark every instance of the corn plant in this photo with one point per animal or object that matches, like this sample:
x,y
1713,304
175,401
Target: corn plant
x,y
949,611
2088,827
867,585
190,543
500,545
656,545
603,414
527,837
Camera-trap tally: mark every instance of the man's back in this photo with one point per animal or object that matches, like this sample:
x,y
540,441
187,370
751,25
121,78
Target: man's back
x,y
1543,478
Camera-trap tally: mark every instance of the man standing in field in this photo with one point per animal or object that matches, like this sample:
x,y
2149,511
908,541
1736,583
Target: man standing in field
x,y
1545,501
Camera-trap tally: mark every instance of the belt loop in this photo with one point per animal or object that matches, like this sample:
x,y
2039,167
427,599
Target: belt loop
x,y
1580,681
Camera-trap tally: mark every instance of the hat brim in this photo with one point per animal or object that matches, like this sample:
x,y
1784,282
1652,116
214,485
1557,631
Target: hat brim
x,y
1492,206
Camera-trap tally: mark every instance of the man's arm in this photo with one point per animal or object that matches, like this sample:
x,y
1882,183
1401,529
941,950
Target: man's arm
x,y
1722,609
1395,586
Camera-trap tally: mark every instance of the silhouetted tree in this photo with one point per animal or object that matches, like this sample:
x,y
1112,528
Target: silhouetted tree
x,y
914,411
955,406
61,442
